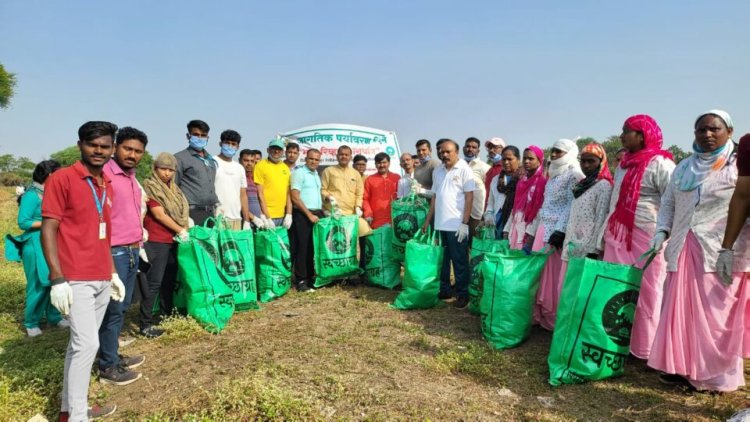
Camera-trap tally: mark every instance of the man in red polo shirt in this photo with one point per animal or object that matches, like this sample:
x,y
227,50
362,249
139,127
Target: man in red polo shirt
x,y
76,243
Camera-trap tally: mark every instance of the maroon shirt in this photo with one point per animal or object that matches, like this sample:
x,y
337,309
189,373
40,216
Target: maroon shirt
x,y
68,199
157,232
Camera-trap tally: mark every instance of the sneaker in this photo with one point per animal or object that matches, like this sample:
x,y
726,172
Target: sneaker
x,y
97,412
151,332
131,362
303,287
33,332
64,323
461,302
445,296
125,341
118,375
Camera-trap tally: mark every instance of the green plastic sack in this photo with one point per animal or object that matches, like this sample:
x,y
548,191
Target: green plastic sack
x,y
408,215
380,266
511,280
591,340
273,263
237,253
424,259
200,291
335,243
483,242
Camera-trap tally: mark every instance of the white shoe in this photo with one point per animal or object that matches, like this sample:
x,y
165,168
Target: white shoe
x,y
64,323
33,332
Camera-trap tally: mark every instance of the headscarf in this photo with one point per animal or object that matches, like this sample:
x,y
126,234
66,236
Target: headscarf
x,y
701,164
623,218
591,179
170,197
531,185
569,161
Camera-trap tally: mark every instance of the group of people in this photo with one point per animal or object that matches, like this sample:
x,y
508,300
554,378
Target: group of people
x,y
88,228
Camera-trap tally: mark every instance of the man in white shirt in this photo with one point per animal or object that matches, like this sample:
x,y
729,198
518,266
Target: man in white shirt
x,y
231,183
453,186
407,180
479,168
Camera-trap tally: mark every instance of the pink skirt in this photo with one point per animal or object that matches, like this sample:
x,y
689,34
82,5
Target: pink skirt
x,y
518,230
650,295
548,295
703,333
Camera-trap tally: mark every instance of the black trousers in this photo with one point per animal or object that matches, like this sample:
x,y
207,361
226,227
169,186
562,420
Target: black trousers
x,y
301,243
200,213
161,281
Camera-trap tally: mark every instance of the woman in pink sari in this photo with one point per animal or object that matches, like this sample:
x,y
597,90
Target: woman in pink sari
x,y
523,229
640,181
702,328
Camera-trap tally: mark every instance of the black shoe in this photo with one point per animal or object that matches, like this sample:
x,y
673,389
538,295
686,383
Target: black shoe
x,y
461,302
445,296
131,362
675,380
151,332
118,375
303,287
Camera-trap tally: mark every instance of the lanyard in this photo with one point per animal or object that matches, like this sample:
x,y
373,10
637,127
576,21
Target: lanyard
x,y
99,203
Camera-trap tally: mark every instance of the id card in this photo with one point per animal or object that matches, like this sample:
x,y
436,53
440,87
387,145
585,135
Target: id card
x,y
102,231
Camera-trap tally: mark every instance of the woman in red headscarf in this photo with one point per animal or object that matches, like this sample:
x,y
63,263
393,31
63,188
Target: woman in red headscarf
x,y
640,181
523,224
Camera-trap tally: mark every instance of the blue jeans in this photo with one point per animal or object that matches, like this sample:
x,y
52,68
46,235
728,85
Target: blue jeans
x,y
126,263
456,253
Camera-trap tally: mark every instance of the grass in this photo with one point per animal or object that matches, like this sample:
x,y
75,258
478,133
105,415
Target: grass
x,y
340,353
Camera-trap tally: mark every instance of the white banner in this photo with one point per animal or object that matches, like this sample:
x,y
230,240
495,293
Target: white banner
x,y
362,140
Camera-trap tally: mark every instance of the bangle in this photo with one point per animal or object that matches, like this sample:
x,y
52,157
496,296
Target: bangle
x,y
58,280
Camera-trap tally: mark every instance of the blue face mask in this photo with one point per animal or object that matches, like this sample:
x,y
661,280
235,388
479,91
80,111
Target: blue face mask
x,y
425,159
197,143
469,157
228,151
497,158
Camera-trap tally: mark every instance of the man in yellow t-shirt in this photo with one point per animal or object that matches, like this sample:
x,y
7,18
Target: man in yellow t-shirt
x,y
272,176
343,184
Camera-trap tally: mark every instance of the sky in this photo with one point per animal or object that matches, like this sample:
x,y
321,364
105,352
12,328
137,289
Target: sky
x,y
530,72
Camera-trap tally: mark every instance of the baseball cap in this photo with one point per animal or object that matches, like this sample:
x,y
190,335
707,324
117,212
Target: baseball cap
x,y
498,142
276,143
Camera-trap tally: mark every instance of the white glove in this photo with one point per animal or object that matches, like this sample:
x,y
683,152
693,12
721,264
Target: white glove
x,y
657,242
61,296
191,223
724,265
258,221
369,220
270,225
358,211
332,201
462,233
288,221
489,218
219,211
183,236
145,235
118,289
142,254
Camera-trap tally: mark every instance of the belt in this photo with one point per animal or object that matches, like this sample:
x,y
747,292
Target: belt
x,y
135,245
203,207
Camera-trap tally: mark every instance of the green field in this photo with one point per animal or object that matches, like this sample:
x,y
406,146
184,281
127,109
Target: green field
x,y
337,354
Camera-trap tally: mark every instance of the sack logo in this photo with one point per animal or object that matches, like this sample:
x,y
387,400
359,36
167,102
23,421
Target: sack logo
x,y
337,241
617,316
369,250
404,227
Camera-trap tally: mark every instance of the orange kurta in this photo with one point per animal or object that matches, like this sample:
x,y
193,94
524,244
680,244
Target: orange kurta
x,y
380,191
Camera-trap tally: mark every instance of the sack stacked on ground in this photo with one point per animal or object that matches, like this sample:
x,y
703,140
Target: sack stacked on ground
x,y
380,265
273,263
335,243
483,242
591,340
200,291
511,280
408,215
424,259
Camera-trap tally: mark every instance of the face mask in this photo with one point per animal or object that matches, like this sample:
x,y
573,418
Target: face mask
x,y
469,157
228,151
497,158
425,159
273,159
198,143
